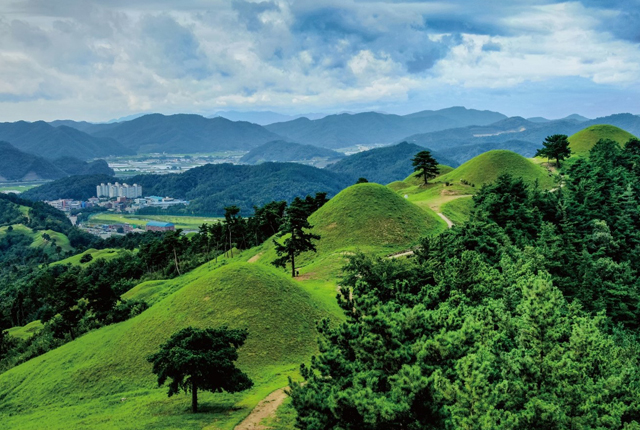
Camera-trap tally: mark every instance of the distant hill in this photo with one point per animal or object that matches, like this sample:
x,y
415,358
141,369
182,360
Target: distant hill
x,y
71,187
383,165
185,134
372,215
211,187
18,165
78,125
281,151
582,141
345,130
44,140
487,167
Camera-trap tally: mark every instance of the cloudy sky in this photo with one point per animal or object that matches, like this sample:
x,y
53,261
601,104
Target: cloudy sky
x,y
87,60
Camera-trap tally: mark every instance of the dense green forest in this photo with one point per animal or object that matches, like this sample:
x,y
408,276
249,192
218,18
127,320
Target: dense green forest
x,y
524,317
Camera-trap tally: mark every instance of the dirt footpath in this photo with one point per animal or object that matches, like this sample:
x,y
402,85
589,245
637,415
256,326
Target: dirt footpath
x,y
265,409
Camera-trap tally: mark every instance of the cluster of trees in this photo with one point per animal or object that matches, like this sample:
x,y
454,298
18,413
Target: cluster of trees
x,y
524,317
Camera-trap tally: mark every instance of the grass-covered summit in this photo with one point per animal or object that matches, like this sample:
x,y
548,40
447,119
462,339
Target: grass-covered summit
x,y
487,167
371,215
103,381
582,142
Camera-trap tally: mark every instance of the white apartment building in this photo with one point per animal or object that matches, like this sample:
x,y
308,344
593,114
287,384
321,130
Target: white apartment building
x,y
119,190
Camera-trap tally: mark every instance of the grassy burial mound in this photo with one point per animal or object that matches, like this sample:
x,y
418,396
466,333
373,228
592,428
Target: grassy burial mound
x,y
487,167
582,142
370,216
103,381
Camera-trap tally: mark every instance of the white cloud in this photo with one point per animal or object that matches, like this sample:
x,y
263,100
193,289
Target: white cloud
x,y
95,62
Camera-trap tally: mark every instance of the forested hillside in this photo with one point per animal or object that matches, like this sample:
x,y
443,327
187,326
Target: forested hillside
x,y
44,140
524,317
184,134
383,165
281,151
18,165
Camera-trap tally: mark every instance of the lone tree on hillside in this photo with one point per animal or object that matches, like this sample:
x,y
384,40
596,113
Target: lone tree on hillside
x,y
201,359
425,165
298,240
556,146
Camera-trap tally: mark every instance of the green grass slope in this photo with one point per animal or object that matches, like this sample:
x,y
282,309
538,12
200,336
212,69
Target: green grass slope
x,y
36,235
582,142
26,331
105,254
372,216
487,167
102,380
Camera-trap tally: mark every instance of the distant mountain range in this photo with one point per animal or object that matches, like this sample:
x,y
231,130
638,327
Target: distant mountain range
x,y
441,130
18,165
383,165
184,134
281,151
346,130
263,117
515,129
51,142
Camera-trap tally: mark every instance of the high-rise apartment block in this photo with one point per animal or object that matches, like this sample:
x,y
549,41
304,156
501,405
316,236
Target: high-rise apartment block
x,y
119,190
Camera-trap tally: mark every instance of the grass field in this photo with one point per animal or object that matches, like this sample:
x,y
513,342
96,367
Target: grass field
x,y
182,222
582,141
38,241
19,187
26,331
105,254
82,384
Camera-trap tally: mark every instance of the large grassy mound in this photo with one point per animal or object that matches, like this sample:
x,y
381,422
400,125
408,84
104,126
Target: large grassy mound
x,y
372,216
103,381
582,142
487,167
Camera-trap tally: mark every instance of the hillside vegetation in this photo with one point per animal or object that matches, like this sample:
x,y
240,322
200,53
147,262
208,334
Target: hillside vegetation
x,y
61,387
487,167
582,141
282,151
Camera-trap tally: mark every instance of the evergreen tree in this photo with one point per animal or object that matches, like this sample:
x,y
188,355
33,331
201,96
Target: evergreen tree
x,y
201,359
425,165
556,146
298,240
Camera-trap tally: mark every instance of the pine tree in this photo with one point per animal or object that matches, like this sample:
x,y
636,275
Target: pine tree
x,y
556,146
425,165
201,359
298,240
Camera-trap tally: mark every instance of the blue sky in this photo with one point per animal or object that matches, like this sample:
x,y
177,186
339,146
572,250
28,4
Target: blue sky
x,y
85,60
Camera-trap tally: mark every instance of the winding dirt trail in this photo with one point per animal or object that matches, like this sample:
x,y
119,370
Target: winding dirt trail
x,y
266,408
447,220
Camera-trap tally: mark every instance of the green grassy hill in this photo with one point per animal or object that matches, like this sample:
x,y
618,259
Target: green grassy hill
x,y
102,380
487,167
105,254
582,142
372,216
38,242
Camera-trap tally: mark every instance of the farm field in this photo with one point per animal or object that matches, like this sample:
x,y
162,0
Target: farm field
x,y
181,222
